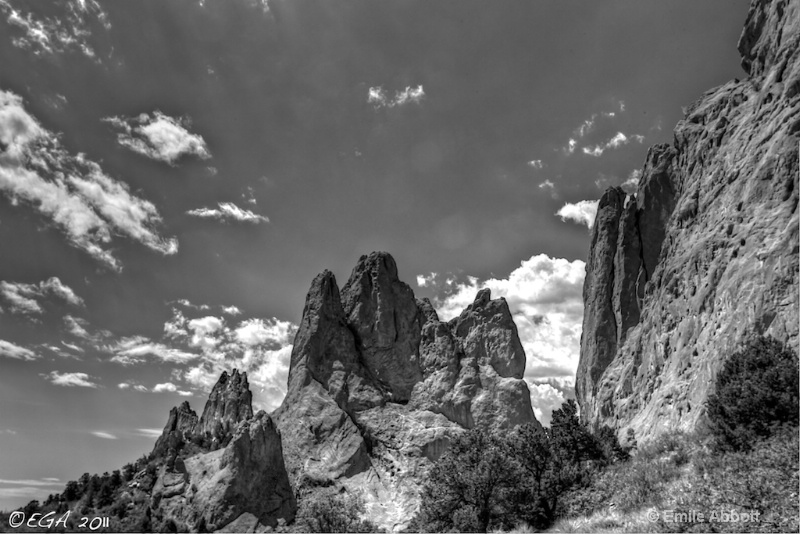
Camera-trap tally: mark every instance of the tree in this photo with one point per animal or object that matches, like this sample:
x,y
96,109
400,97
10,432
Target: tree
x,y
756,393
71,491
471,487
328,510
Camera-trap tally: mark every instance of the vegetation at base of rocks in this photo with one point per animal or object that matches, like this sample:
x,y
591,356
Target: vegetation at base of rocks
x,y
331,510
501,481
757,393
745,461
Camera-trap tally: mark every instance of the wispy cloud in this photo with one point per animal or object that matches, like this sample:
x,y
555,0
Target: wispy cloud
x,y
69,30
138,349
149,432
227,211
379,98
536,164
72,191
10,350
104,435
24,298
70,379
159,136
169,387
583,212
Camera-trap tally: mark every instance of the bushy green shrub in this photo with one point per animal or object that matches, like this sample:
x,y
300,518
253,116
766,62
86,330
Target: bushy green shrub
x,y
756,393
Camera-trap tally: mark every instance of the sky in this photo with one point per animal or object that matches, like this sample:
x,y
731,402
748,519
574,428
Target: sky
x,y
174,174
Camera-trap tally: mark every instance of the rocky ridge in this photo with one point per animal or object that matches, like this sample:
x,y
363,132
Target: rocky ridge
x,y
706,251
225,467
378,385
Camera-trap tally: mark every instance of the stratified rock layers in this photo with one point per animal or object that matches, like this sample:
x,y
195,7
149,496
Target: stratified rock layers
x,y
706,253
378,385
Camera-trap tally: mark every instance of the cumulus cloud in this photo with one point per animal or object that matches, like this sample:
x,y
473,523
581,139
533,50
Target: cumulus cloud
x,y
159,136
545,400
544,295
90,207
101,434
261,347
583,212
617,141
68,30
24,298
70,379
379,98
10,350
228,211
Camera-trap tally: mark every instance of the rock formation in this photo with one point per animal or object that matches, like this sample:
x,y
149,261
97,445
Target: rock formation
x,y
224,467
706,252
378,385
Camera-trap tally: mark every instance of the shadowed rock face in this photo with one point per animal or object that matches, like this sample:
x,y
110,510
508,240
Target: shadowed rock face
x,y
234,470
378,385
707,250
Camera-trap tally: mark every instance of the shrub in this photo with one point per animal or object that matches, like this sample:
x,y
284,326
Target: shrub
x,y
756,393
328,510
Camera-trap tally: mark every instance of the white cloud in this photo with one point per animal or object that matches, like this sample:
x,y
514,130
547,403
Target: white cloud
x,y
76,327
159,136
632,183
70,346
270,333
378,97
231,310
617,141
169,387
22,298
547,184
10,350
137,349
545,399
124,385
48,481
536,164
545,298
73,192
149,432
104,435
228,211
69,379
426,280
66,31
583,212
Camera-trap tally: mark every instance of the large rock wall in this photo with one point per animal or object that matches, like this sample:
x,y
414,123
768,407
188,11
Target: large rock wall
x,y
378,385
706,252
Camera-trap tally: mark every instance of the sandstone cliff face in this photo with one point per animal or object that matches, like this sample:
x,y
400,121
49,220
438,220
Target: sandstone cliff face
x,y
707,250
224,467
378,385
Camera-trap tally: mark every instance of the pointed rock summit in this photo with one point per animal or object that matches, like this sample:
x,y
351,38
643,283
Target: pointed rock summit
x,y
224,467
378,385
706,252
